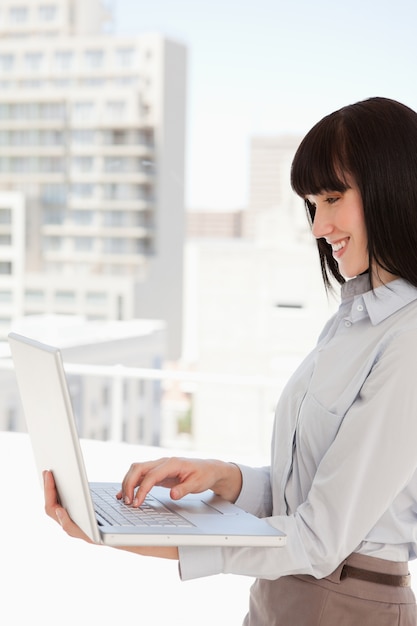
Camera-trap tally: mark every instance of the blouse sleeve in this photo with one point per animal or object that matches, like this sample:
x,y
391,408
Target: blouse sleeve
x,y
364,481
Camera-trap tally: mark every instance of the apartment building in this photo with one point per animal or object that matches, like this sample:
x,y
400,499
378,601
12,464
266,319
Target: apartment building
x,y
270,166
255,306
92,133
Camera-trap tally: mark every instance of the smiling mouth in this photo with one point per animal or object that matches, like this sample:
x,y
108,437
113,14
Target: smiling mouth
x,y
339,245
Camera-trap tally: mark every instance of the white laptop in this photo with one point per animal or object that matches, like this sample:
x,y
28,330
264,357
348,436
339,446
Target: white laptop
x,y
201,519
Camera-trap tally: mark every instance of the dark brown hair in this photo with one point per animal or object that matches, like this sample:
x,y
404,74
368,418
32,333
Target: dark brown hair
x,y
375,142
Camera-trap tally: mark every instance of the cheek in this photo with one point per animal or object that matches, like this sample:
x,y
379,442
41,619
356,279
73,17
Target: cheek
x,y
360,229
364,240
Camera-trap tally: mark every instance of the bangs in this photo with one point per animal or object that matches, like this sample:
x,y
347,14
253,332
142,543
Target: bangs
x,y
320,163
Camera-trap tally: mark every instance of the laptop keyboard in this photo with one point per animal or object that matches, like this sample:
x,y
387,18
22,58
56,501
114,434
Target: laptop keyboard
x,y
151,513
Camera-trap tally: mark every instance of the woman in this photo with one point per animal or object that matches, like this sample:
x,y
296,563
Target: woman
x,y
342,483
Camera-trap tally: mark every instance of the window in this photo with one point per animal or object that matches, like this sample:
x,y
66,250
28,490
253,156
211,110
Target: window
x,y
6,62
82,136
5,216
92,82
65,296
126,81
115,218
125,57
82,190
18,111
53,110
50,138
143,246
31,84
18,137
83,110
82,218
5,296
118,191
83,163
289,305
63,59
18,14
4,111
4,164
52,243
96,298
113,245
21,165
83,244
114,164
52,164
5,267
12,422
61,83
119,137
54,194
53,216
94,58
34,295
116,109
105,395
33,60
47,12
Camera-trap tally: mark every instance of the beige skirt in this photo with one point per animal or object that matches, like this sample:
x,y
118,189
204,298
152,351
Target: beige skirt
x,y
341,599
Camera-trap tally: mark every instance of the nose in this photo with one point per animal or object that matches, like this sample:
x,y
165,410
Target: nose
x,y
322,225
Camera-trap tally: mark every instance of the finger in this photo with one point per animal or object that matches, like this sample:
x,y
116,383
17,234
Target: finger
x,y
52,505
165,473
50,493
54,509
69,526
134,477
178,474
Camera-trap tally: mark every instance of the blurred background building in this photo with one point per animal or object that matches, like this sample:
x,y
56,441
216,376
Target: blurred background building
x,y
213,309
92,133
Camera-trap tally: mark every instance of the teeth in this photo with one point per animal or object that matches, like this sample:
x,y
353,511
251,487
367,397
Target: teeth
x,y
338,246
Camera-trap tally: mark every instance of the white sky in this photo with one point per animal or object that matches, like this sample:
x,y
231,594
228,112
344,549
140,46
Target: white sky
x,y
273,66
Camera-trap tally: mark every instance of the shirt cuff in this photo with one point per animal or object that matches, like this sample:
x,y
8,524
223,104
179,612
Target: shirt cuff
x,y
196,561
255,496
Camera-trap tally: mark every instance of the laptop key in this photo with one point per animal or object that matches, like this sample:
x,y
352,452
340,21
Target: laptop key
x,y
150,514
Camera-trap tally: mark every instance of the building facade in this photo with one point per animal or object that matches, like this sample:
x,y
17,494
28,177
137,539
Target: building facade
x,y
92,133
255,307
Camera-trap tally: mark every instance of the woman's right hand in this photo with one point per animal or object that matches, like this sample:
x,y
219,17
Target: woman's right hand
x,y
182,476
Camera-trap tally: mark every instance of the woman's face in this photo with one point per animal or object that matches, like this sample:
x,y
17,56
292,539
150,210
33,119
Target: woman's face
x,y
339,219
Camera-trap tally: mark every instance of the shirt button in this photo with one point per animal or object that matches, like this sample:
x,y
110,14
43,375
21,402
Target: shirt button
x,y
347,323
360,307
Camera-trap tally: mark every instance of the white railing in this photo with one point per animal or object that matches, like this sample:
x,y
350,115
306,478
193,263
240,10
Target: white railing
x,y
209,425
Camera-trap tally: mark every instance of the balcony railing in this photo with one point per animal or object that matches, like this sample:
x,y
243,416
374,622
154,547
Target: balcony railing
x,y
180,409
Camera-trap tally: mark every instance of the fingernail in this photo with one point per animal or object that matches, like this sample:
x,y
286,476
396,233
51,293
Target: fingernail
x,y
127,500
59,516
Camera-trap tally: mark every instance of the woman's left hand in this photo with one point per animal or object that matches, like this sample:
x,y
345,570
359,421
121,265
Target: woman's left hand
x,y
59,514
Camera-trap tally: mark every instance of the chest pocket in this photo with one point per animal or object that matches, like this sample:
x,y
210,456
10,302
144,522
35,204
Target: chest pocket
x,y
316,430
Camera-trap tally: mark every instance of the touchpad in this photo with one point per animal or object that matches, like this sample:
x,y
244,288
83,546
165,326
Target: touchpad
x,y
193,506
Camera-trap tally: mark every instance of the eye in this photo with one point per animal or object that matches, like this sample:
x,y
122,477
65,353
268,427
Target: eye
x,y
331,200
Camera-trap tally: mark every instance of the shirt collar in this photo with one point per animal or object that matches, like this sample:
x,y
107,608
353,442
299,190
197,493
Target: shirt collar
x,y
381,302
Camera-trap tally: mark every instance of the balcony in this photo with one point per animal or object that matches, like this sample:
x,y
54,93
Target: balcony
x,y
48,578
75,583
